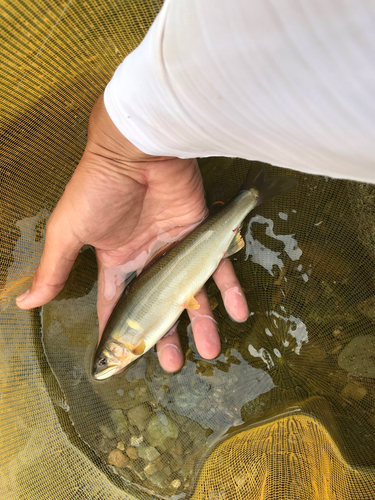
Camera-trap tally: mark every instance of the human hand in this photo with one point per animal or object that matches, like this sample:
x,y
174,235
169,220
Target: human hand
x,y
129,206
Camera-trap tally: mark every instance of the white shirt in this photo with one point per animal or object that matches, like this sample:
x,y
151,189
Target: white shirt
x,y
287,82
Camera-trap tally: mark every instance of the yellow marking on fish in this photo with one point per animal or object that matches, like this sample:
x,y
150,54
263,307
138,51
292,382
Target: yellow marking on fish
x,y
138,349
191,303
130,347
133,324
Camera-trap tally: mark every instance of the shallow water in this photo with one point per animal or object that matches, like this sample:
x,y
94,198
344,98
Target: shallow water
x,y
308,284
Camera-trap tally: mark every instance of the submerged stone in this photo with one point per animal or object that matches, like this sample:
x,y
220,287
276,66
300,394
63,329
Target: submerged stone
x,y
358,357
162,431
139,416
149,453
117,458
120,422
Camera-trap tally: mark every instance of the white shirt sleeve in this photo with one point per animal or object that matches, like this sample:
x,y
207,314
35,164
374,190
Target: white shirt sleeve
x,y
279,81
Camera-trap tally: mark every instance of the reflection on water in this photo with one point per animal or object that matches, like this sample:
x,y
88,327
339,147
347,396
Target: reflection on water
x,y
310,301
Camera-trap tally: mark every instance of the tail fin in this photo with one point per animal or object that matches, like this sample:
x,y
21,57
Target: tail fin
x,y
267,187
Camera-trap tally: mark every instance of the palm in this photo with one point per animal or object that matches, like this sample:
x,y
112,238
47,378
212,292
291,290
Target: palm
x,y
129,216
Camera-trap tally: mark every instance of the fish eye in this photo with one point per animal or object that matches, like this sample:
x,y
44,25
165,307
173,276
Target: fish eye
x,y
102,361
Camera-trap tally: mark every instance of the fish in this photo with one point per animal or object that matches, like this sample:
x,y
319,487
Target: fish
x,y
154,301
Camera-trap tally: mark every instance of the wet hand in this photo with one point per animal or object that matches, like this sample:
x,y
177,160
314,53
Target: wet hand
x,y
129,206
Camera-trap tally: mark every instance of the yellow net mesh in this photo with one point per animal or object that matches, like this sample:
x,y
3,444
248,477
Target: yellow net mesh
x,y
287,411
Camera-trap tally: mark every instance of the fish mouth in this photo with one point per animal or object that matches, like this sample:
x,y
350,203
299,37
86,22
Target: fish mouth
x,y
108,372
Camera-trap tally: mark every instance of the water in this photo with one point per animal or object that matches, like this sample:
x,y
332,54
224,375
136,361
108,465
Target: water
x,y
307,282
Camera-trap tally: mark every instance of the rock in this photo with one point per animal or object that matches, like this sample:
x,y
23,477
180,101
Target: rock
x,y
151,469
106,431
176,450
117,458
139,416
337,333
354,390
121,446
358,357
132,452
149,453
158,479
120,422
136,441
162,431
176,483
167,470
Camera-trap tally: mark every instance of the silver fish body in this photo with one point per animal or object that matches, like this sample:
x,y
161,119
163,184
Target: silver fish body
x,y
156,299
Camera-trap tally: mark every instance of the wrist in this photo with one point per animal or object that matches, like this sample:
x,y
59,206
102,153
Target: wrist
x,y
105,139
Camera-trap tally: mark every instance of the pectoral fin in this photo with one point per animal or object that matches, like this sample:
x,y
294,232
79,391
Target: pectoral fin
x,y
236,245
191,303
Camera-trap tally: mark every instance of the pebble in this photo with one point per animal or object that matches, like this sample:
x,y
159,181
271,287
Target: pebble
x,y
162,431
151,469
136,441
176,450
354,390
158,479
120,422
139,416
132,452
117,458
121,446
167,471
149,453
106,431
358,357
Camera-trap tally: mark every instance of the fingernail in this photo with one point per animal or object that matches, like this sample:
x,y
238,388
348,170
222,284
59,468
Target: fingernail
x,y
23,295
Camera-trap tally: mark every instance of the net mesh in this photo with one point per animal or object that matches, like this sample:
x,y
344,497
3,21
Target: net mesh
x,y
286,411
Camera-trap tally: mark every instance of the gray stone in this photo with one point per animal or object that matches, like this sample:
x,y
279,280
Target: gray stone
x,y
358,357
151,468
139,416
158,479
120,422
149,453
107,432
162,431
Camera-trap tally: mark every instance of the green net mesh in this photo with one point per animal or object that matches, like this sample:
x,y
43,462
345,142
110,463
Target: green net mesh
x,y
286,411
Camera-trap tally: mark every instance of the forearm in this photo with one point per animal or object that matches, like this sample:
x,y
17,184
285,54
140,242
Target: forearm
x,y
280,82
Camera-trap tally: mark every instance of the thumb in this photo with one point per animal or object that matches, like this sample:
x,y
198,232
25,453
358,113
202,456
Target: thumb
x,y
60,251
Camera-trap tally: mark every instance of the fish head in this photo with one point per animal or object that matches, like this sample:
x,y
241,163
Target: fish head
x,y
111,360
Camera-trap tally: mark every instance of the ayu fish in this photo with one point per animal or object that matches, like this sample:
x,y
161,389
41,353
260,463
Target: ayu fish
x,y
153,302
